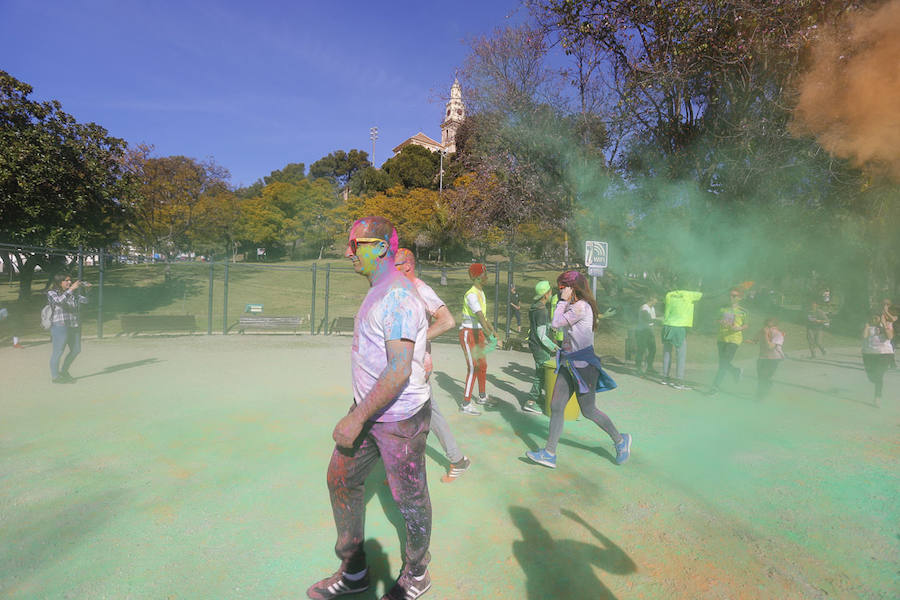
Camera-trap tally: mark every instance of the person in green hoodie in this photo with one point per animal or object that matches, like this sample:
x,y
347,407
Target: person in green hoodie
x,y
542,347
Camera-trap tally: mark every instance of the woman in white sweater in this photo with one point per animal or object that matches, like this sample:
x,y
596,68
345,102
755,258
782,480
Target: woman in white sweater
x,y
578,368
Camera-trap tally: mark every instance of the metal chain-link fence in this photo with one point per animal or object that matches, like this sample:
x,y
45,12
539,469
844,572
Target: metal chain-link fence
x,y
128,295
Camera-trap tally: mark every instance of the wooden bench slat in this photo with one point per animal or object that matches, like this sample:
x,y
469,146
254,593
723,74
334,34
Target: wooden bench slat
x,y
266,322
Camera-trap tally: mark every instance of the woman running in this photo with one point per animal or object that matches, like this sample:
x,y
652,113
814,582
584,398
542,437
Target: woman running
x,y
578,368
771,353
877,352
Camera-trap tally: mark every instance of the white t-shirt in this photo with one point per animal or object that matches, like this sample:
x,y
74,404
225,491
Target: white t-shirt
x,y
876,341
431,300
650,310
391,310
472,301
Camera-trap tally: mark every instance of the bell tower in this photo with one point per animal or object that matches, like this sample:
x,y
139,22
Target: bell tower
x,y
454,115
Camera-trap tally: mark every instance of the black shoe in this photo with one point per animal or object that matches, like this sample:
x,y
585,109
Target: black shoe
x,y
409,587
457,469
337,585
66,378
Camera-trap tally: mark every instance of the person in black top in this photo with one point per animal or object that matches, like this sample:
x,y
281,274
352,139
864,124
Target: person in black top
x,y
515,307
542,347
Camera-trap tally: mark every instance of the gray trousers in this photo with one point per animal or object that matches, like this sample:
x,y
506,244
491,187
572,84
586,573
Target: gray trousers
x,y
587,402
680,358
440,428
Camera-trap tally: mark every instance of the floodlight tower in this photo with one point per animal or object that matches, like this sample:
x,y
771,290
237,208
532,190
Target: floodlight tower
x,y
373,135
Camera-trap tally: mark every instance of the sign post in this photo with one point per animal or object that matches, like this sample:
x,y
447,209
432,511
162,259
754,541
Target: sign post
x,y
595,259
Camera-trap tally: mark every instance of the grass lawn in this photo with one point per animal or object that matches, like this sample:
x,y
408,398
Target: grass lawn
x,y
286,288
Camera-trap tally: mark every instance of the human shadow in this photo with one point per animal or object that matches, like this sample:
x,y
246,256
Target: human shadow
x,y
562,568
54,530
831,362
376,485
437,457
519,371
379,569
121,367
519,396
830,394
449,385
528,426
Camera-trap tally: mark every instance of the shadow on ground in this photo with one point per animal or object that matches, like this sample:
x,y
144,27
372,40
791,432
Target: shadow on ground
x,y
122,367
563,568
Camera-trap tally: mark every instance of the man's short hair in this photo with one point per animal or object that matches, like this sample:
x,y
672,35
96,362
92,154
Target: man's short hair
x,y
405,255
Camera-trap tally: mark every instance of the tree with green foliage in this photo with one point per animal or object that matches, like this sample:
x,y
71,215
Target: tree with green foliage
x,y
62,183
339,166
166,206
414,167
704,91
286,215
291,173
371,181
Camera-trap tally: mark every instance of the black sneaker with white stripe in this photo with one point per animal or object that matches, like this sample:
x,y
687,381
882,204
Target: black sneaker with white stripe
x,y
337,585
409,587
457,469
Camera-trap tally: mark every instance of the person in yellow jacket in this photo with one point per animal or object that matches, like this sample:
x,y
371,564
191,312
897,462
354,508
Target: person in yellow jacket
x,y
678,318
471,337
733,320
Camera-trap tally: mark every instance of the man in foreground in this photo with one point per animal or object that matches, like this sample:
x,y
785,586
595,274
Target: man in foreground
x,y
389,418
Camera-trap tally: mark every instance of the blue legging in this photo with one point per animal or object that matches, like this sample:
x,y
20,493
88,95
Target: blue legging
x,y
63,336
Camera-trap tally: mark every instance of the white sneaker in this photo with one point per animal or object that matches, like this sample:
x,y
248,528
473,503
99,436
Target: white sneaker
x,y
485,400
469,409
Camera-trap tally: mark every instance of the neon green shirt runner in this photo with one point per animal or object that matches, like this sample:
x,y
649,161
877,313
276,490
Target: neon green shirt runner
x,y
736,316
680,308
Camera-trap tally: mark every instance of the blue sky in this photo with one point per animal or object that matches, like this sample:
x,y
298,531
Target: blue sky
x,y
253,85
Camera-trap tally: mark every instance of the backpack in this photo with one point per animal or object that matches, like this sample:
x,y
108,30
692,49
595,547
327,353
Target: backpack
x,y
46,317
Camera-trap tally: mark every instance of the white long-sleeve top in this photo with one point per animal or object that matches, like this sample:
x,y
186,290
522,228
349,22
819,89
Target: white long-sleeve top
x,y
576,320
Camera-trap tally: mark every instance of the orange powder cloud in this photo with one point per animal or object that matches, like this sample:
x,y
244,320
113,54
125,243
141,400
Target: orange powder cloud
x,y
850,97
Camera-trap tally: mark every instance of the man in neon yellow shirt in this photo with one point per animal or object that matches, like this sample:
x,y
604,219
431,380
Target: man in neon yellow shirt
x,y
733,320
679,317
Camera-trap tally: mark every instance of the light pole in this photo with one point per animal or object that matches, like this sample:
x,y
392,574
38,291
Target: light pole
x,y
441,185
373,135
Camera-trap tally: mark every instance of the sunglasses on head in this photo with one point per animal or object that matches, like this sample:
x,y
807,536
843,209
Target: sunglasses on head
x,y
355,242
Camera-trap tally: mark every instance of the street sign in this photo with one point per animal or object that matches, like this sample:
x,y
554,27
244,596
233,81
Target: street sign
x,y
595,254
595,271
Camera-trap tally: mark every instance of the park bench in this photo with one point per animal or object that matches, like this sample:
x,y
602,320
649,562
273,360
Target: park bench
x,y
341,325
266,322
134,324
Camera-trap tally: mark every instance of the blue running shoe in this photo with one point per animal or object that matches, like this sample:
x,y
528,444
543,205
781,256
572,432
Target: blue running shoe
x,y
623,449
542,457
